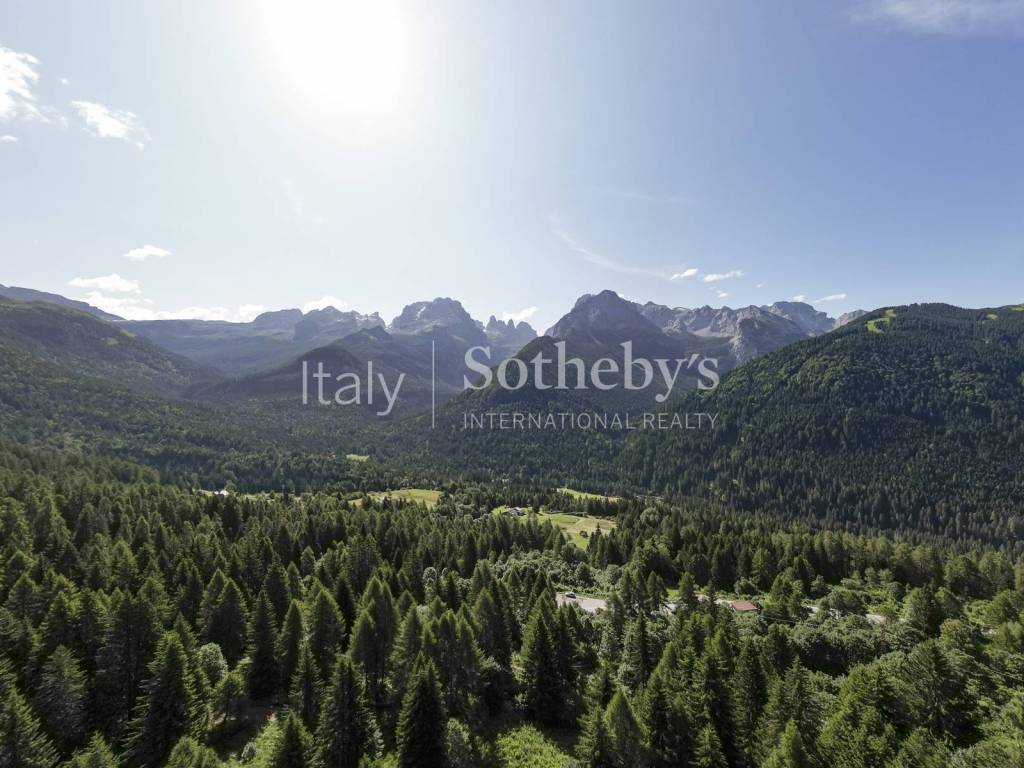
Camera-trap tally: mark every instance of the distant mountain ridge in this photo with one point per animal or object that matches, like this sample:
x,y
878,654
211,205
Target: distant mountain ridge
x,y
30,294
275,338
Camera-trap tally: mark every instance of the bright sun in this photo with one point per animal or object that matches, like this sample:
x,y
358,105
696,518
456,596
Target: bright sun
x,y
339,59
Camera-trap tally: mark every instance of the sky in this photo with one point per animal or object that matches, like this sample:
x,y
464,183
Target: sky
x,y
198,159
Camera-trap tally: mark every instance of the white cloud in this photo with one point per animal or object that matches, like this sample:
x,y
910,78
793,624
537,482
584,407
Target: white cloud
x,y
113,283
945,17
18,76
831,297
132,308
523,314
721,294
800,297
323,302
684,274
714,277
105,123
147,252
8,139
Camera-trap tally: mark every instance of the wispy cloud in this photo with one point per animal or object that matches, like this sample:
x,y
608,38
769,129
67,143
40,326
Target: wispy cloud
x,y
831,297
626,193
523,314
945,17
8,139
132,308
606,262
800,297
684,274
147,252
721,294
113,283
323,302
105,123
715,277
18,76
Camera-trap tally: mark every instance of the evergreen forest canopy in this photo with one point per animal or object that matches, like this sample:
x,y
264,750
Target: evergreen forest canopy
x,y
144,624
833,576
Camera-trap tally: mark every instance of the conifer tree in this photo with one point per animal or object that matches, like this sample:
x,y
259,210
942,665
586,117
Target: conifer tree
x,y
543,695
406,649
708,751
227,623
666,723
289,643
60,699
263,670
747,698
790,752
624,733
326,631
347,730
421,722
23,744
306,688
122,663
168,708
292,748
96,754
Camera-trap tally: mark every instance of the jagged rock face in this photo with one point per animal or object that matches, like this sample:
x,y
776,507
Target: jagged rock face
x,y
508,337
441,313
331,323
849,317
606,317
813,322
751,331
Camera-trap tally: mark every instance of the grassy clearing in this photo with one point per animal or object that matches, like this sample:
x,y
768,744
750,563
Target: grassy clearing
x,y
579,529
357,457
992,316
875,326
584,495
422,495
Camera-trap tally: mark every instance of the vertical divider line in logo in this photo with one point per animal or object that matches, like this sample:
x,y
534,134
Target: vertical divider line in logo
x,y
433,383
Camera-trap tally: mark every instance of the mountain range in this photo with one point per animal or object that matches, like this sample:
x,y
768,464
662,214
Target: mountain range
x,y
909,417
428,340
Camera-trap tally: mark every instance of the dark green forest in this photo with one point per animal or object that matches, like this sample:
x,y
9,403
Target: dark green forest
x,y
145,624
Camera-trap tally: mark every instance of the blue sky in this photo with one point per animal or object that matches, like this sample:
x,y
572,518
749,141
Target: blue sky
x,y
210,159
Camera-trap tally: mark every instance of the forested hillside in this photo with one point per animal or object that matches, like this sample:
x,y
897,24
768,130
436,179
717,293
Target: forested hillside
x,y
907,418
146,625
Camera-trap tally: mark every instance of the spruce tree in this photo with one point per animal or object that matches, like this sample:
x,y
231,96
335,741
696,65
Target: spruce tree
x,y
543,695
96,754
227,623
421,722
121,663
60,699
292,748
168,708
23,744
326,631
289,643
306,688
263,670
790,752
624,733
347,730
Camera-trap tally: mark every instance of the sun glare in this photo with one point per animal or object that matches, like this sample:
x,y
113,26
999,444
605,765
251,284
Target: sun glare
x,y
343,60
